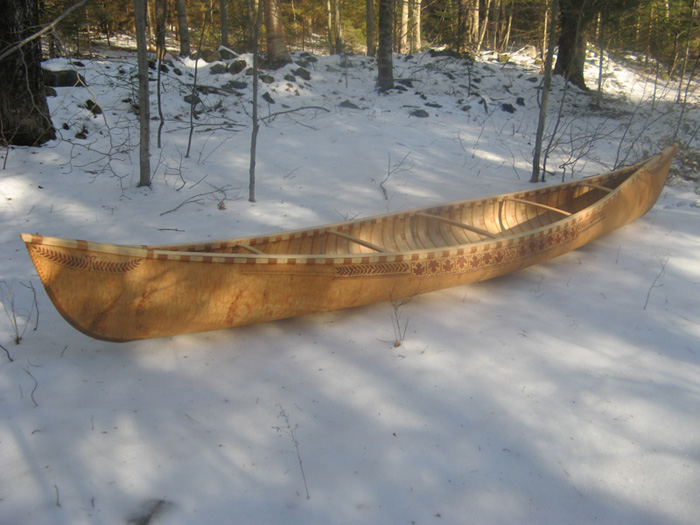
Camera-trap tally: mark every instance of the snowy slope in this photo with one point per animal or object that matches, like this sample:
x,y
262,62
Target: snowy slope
x,y
565,393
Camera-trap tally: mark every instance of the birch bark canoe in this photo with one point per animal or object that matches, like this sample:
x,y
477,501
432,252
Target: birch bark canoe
x,y
127,292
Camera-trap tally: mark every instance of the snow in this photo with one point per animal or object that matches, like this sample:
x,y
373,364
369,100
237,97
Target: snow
x,y
564,393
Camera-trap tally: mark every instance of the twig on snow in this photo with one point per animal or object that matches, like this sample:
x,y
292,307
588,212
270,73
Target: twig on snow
x,y
399,330
390,171
36,385
273,115
290,431
9,357
663,262
194,198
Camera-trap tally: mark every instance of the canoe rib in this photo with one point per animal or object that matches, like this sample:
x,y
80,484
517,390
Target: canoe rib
x,y
457,224
356,240
126,292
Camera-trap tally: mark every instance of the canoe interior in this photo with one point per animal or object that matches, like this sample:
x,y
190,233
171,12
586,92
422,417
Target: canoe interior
x,y
431,228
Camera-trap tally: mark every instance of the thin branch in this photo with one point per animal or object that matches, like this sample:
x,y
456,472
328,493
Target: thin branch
x,y
8,51
663,262
390,171
193,100
273,115
36,385
195,197
290,431
7,352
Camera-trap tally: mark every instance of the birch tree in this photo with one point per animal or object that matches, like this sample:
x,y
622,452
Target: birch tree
x,y
277,54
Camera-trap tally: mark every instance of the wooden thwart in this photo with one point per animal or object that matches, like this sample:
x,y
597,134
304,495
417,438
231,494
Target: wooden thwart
x,y
458,224
250,249
596,186
357,241
538,205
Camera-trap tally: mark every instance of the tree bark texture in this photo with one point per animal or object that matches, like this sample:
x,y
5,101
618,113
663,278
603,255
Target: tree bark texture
x,y
385,63
337,28
416,37
224,23
277,54
144,99
575,17
546,85
182,28
371,46
24,113
329,23
403,36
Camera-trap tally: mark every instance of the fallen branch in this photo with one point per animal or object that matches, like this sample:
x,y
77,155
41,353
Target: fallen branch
x,y
195,197
272,115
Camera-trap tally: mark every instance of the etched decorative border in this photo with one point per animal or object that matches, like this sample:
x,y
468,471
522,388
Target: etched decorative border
x,y
472,261
371,270
86,262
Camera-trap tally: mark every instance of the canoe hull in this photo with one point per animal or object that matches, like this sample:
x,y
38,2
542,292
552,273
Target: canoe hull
x,y
118,293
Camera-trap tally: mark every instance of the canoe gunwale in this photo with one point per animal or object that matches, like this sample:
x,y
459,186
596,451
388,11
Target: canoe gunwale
x,y
189,252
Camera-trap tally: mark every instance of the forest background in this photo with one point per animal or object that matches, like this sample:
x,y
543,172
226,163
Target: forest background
x,y
666,30
663,34
566,392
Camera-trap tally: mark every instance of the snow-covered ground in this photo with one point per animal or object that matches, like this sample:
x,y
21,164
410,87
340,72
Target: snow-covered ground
x,y
565,393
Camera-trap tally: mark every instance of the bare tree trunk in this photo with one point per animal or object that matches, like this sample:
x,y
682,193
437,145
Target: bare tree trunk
x,y
460,34
24,113
684,65
544,30
601,52
474,24
150,36
161,19
144,103
224,23
403,35
277,54
508,22
182,28
545,96
337,27
385,63
416,38
484,26
571,56
371,47
254,19
329,23
495,25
